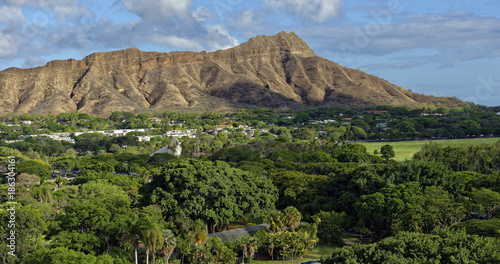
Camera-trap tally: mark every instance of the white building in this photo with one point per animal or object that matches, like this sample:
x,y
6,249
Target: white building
x,y
144,138
190,133
176,151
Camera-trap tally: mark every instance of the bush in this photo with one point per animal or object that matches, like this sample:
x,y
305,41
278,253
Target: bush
x,y
331,228
489,228
441,247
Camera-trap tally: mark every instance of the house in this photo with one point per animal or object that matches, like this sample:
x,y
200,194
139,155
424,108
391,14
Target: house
x,y
249,132
155,119
176,151
190,133
382,126
76,134
430,113
144,138
13,141
498,113
60,137
179,123
27,122
117,132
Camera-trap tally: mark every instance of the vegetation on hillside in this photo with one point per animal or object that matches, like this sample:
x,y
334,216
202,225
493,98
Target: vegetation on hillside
x,y
105,199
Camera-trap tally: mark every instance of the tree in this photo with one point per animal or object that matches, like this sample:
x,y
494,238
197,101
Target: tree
x,y
406,127
276,221
100,212
61,180
331,225
43,193
169,244
132,232
248,245
36,167
267,241
442,246
27,179
387,151
151,234
485,228
304,133
292,217
486,201
212,191
299,189
30,226
64,255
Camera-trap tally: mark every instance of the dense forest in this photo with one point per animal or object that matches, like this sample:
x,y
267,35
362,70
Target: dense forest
x,y
301,176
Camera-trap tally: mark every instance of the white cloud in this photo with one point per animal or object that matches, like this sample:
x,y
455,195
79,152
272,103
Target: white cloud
x,y
220,31
11,22
64,9
157,10
173,41
30,29
172,23
8,45
417,39
314,10
201,14
251,22
11,17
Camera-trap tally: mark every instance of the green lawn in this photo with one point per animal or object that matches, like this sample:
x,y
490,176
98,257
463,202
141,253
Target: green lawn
x,y
405,149
321,251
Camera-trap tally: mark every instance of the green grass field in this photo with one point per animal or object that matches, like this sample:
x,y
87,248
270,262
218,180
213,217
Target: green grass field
x,y
405,149
321,251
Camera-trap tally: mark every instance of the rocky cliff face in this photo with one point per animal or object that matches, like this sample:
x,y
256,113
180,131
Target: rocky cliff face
x,y
273,71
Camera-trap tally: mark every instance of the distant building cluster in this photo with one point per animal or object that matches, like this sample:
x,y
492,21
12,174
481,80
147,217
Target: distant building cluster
x,y
190,133
114,133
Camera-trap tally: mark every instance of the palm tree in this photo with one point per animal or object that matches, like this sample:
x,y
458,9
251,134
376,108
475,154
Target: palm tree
x,y
151,235
60,180
156,239
271,244
276,221
132,233
169,243
244,246
292,217
252,247
43,192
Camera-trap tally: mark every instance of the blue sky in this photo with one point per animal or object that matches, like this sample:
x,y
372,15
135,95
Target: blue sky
x,y
443,48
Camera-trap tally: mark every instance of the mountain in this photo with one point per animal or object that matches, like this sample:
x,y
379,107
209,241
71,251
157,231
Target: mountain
x,y
279,71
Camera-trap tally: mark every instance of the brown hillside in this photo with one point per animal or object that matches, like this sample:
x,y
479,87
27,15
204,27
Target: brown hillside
x,y
278,71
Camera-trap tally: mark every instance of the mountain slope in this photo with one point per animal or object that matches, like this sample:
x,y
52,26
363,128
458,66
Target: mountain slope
x,y
273,71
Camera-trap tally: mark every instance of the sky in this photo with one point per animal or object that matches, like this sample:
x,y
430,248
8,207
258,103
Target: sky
x,y
441,48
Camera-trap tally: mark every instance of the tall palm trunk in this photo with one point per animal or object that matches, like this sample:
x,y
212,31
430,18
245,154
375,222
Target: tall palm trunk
x,y
136,258
147,255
